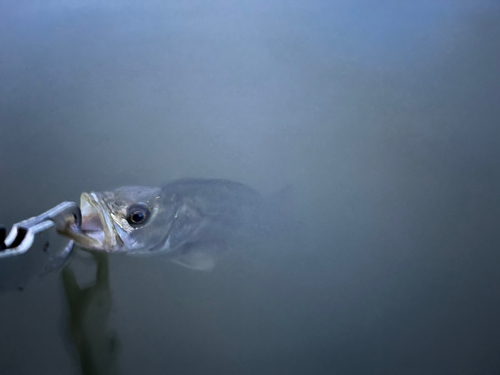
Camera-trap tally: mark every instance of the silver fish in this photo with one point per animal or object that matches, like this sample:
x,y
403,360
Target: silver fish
x,y
192,220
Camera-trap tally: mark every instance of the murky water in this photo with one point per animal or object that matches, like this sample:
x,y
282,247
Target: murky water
x,y
384,119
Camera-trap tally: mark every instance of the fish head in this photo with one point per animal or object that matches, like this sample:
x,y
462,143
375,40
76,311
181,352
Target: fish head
x,y
128,219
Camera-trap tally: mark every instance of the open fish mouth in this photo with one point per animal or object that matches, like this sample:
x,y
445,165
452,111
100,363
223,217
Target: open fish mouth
x,y
98,231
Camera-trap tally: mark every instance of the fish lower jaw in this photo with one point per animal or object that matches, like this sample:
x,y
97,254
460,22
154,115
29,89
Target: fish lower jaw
x,y
97,227
91,240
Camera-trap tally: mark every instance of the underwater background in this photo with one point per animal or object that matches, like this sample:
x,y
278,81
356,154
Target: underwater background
x,y
383,116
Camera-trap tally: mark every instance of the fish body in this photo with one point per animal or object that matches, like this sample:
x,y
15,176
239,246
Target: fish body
x,y
190,219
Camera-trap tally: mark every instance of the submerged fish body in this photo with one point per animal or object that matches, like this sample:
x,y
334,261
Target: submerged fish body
x,y
190,219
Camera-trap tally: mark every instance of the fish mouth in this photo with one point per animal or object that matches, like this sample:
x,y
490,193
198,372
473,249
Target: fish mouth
x,y
97,230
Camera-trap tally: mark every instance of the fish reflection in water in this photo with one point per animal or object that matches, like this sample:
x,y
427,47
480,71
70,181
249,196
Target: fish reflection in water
x,y
88,314
192,221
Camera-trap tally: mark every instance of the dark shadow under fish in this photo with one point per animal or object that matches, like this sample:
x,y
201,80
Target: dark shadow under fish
x,y
88,310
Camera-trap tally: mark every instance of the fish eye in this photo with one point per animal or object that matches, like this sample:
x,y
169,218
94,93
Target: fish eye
x,y
137,214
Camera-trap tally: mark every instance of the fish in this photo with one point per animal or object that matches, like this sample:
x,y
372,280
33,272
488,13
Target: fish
x,y
191,220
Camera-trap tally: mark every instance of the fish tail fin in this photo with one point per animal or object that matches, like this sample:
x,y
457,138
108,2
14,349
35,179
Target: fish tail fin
x,y
282,210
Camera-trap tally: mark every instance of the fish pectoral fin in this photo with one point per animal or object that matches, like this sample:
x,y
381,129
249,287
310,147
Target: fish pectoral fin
x,y
195,261
199,256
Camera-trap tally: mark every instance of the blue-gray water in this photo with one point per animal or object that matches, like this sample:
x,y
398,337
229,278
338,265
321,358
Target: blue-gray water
x,y
384,116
